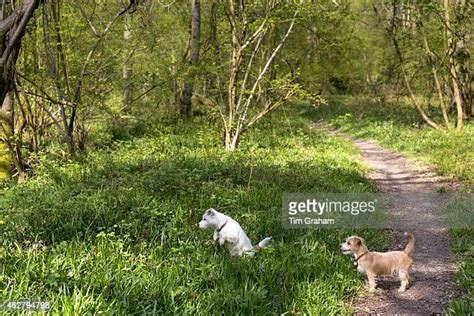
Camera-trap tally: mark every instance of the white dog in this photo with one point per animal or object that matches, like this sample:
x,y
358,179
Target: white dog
x,y
229,233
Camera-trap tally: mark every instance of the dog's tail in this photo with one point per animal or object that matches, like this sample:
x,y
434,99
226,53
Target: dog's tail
x,y
262,244
411,244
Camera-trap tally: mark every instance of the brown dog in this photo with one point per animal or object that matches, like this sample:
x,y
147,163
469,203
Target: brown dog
x,y
377,264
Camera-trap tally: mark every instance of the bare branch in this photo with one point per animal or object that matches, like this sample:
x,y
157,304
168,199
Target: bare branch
x,y
84,15
247,72
7,23
264,70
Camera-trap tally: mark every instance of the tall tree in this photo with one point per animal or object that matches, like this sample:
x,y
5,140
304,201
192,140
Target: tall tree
x,y
431,56
457,34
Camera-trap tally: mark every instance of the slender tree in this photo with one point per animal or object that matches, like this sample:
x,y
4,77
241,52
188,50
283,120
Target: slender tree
x,y
434,70
127,89
185,100
451,49
243,84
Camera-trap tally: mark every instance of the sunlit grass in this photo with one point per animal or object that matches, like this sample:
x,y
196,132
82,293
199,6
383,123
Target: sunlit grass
x,y
399,127
120,224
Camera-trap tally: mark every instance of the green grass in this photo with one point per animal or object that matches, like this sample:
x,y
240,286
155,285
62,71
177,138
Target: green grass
x,y
398,126
120,224
463,248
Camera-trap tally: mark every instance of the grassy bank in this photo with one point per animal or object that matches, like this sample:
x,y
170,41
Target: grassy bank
x,y
398,126
463,248
119,226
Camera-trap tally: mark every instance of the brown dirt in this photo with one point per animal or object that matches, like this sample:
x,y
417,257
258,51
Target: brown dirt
x,y
431,276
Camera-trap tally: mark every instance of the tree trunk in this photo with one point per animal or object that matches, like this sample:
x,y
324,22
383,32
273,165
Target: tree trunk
x,y
238,107
391,30
185,101
451,49
51,51
13,142
213,85
12,29
463,12
127,68
234,71
434,71
231,140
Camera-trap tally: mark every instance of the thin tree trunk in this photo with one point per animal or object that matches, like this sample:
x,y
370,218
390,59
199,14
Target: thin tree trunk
x,y
453,71
463,10
422,112
434,70
185,101
127,68
237,123
214,85
53,71
391,32
235,62
11,139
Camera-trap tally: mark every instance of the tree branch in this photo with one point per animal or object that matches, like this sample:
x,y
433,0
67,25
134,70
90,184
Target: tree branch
x,y
27,11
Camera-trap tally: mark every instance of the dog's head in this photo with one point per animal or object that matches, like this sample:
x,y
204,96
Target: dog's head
x,y
352,245
209,219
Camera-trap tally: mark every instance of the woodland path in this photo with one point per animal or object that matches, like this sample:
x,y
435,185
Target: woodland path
x,y
431,277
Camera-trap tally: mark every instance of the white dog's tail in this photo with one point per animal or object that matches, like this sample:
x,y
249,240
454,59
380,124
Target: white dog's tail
x,y
262,244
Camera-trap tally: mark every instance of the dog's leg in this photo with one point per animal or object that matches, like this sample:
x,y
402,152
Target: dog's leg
x,y
213,241
404,279
372,283
221,241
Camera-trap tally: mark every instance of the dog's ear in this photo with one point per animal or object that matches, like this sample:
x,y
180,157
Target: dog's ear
x,y
358,241
211,212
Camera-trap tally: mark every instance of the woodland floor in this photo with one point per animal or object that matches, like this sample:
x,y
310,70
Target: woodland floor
x,y
431,287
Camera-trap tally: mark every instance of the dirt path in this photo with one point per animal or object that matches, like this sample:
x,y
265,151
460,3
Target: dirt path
x,y
431,287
